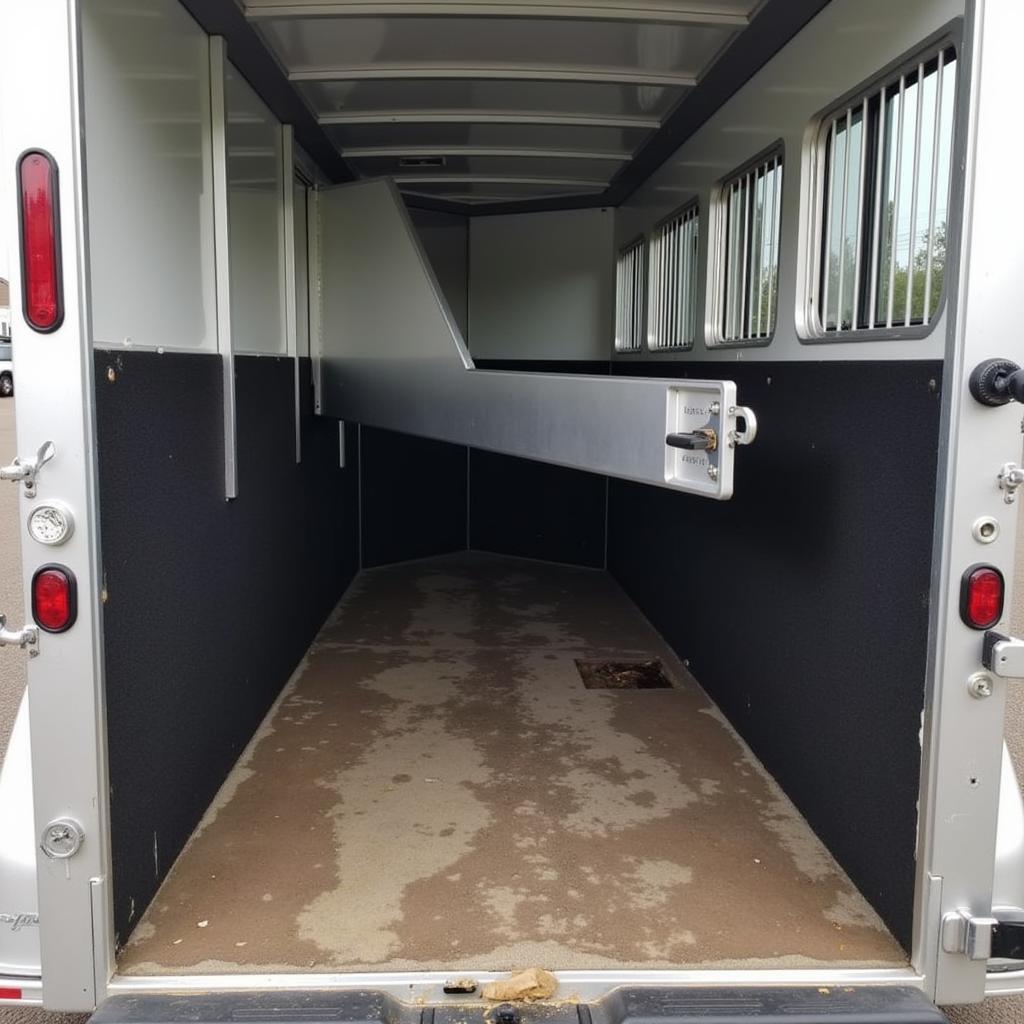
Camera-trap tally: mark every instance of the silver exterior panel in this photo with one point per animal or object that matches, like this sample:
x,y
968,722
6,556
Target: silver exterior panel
x,y
56,403
19,907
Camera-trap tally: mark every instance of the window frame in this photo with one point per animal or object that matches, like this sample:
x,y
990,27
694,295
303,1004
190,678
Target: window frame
x,y
716,304
640,243
689,211
809,326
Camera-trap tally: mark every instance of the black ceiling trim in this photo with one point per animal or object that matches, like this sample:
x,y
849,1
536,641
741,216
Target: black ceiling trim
x,y
248,52
772,27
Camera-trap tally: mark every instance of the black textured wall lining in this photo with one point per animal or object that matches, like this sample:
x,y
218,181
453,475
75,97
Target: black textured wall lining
x,y
210,604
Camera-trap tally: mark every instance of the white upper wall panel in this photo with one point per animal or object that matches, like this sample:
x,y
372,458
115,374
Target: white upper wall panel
x,y
147,121
541,285
255,220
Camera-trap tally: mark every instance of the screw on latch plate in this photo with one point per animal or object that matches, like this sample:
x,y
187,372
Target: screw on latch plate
x,y
62,838
26,470
980,685
1011,476
27,638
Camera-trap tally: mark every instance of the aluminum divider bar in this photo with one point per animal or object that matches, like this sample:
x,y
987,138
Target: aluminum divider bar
x,y
221,246
291,328
394,358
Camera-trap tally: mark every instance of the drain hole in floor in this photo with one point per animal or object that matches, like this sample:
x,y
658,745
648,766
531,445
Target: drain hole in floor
x,y
623,675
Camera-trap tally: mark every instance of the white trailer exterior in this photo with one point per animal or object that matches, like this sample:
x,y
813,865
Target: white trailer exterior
x,y
390,349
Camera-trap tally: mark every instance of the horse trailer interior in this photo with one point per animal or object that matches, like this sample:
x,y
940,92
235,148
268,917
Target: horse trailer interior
x,y
513,485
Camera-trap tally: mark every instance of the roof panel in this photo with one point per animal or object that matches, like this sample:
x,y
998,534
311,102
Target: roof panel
x,y
542,97
327,43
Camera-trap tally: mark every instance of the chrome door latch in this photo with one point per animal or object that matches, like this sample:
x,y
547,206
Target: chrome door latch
x,y
27,638
27,469
1011,476
964,933
1003,655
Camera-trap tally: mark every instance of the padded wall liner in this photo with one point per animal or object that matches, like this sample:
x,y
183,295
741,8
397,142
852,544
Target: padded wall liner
x,y
802,603
413,496
210,604
535,510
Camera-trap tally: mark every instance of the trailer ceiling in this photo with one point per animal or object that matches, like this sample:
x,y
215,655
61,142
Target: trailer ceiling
x,y
487,105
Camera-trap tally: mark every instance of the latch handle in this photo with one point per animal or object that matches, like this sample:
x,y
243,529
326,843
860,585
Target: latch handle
x,y
702,440
27,638
1003,655
27,469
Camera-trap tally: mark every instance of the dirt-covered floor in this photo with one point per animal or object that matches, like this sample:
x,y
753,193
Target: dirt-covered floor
x,y
438,789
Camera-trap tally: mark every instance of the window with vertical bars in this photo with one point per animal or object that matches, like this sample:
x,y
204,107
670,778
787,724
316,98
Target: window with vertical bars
x,y
751,207
672,297
886,162
630,274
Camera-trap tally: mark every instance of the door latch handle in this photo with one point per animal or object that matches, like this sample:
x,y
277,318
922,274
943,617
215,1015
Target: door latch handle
x,y
1003,655
27,638
26,470
964,933
702,440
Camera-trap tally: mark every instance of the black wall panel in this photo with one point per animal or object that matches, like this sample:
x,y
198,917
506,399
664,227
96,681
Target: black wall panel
x,y
533,510
802,603
413,497
210,604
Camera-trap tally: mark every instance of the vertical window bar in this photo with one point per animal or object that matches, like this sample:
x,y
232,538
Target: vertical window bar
x,y
829,205
773,282
861,186
841,293
912,239
748,256
936,128
895,204
876,231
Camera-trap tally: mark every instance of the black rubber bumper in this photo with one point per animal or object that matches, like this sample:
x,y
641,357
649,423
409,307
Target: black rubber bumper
x,y
871,1004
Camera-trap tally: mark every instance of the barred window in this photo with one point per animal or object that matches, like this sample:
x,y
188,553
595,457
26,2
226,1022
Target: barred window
x,y
751,207
672,300
630,272
886,162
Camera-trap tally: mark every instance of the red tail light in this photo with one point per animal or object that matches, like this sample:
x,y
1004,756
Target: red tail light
x,y
40,241
10,993
981,596
54,598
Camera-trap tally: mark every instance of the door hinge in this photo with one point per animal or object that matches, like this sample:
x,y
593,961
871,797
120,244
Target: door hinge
x,y
27,638
26,470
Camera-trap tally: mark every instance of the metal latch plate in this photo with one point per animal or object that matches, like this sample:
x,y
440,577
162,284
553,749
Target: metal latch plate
x,y
1003,655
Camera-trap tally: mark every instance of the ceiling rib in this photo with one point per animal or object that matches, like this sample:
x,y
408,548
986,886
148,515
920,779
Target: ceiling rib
x,y
371,152
669,12
495,72
497,179
488,117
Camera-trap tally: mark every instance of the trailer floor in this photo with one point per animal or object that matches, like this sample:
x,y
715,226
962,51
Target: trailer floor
x,y
436,789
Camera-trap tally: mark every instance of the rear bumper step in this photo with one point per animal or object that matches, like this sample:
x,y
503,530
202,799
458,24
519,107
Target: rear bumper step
x,y
869,1004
